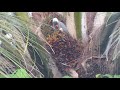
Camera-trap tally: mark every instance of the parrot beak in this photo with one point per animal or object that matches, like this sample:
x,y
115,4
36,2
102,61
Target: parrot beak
x,y
56,27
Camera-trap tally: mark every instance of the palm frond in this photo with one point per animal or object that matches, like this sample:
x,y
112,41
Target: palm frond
x,y
111,21
16,51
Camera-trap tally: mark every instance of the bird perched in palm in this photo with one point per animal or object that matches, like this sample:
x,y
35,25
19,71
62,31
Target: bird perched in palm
x,y
59,25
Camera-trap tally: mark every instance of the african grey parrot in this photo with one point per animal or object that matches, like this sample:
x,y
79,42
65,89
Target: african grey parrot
x,y
59,25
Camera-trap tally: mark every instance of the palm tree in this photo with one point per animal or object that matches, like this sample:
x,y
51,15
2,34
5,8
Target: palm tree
x,y
23,46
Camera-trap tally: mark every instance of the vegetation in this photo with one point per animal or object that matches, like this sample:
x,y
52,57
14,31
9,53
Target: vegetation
x,y
20,73
28,48
77,16
107,76
16,50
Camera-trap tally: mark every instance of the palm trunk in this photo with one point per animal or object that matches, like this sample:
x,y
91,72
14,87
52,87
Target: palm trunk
x,y
71,24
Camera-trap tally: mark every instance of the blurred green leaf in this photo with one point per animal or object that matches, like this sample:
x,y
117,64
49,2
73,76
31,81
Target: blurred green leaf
x,y
19,73
66,77
23,16
107,76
